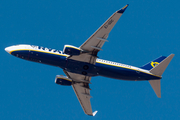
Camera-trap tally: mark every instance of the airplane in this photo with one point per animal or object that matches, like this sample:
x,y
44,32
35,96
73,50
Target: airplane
x,y
81,63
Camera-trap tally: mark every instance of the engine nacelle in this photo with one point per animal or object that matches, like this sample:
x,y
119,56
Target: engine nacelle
x,y
63,80
71,50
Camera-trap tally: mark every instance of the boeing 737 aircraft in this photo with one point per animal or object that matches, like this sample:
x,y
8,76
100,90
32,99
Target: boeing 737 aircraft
x,y
81,63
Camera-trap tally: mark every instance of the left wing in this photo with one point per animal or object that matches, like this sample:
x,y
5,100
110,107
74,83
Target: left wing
x,y
95,42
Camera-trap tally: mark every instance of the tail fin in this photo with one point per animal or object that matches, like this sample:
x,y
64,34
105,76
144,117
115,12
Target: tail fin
x,y
153,63
158,70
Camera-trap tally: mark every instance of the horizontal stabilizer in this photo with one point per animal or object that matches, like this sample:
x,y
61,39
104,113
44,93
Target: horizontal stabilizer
x,y
160,68
156,85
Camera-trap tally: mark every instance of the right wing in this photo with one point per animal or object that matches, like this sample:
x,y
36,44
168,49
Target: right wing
x,y
81,88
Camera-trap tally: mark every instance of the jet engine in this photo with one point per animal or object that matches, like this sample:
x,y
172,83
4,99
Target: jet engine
x,y
71,50
63,80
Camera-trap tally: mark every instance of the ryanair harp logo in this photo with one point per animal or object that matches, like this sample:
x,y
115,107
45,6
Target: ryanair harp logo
x,y
153,64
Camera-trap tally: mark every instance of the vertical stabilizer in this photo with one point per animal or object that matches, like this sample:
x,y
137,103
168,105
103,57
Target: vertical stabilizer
x,y
156,85
153,63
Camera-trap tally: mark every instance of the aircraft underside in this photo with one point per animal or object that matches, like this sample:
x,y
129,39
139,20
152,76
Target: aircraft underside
x,y
81,63
83,68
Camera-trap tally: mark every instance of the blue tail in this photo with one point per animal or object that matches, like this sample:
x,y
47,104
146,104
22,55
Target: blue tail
x,y
153,63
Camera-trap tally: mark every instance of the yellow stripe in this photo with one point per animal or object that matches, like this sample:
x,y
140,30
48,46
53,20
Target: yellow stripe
x,y
39,51
72,47
65,79
124,7
127,68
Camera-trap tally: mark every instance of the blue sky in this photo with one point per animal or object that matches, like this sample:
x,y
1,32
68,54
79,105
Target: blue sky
x,y
147,30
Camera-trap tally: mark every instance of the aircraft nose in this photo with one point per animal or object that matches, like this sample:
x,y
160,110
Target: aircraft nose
x,y
16,47
8,49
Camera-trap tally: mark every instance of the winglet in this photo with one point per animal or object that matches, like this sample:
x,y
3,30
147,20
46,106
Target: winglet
x,y
94,113
122,9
